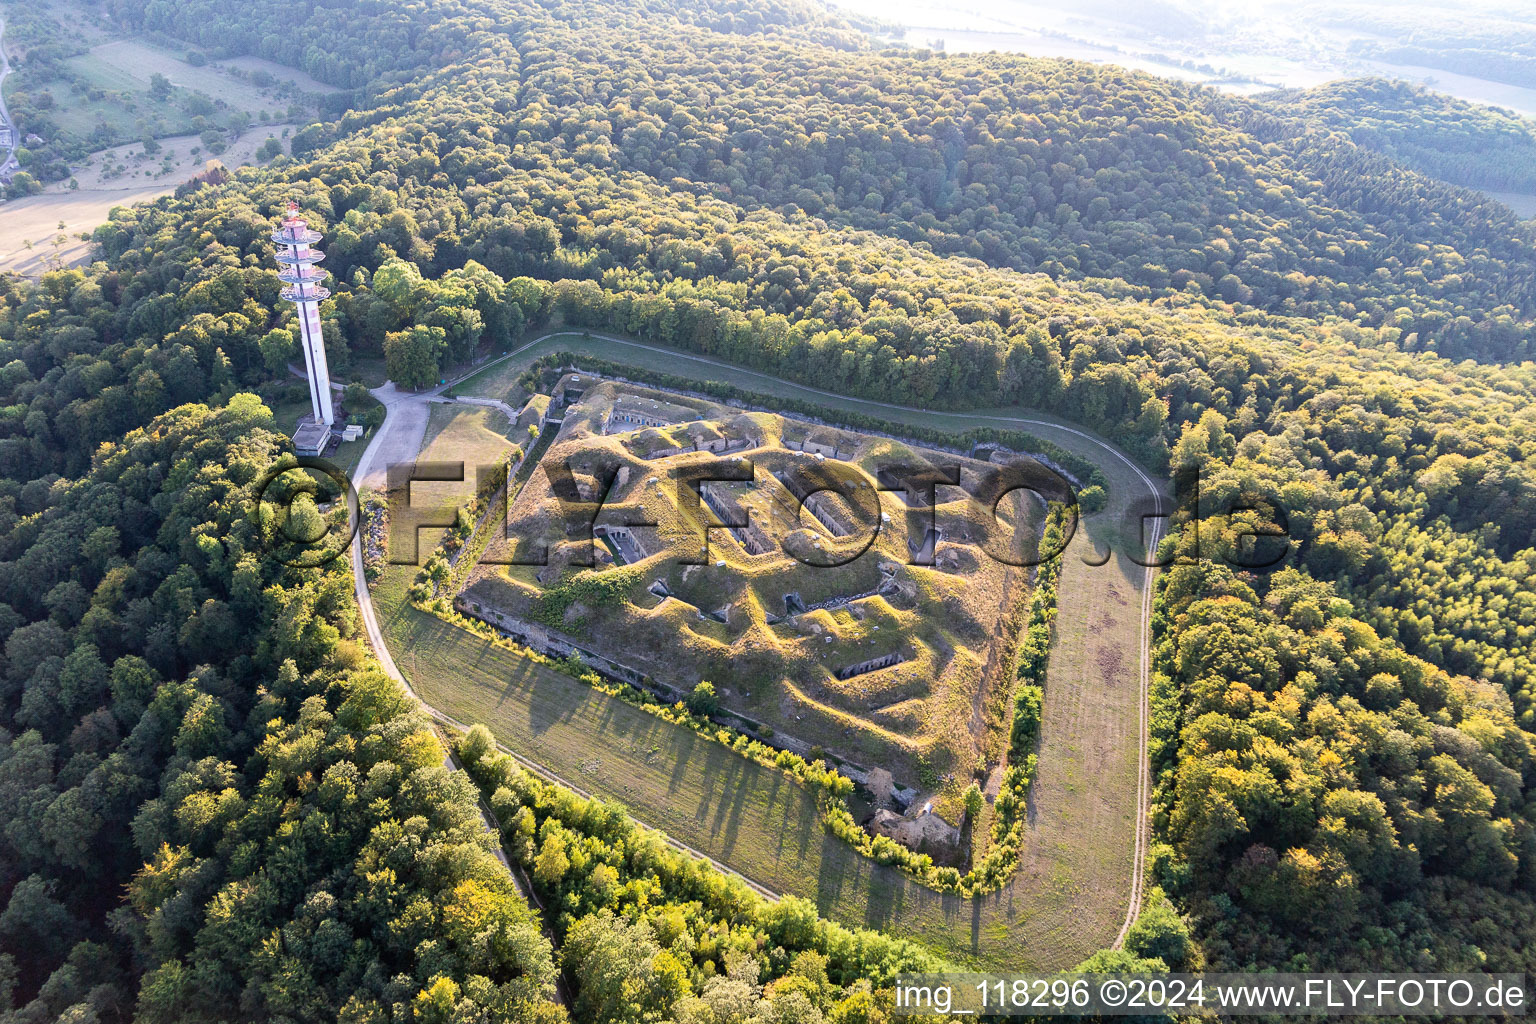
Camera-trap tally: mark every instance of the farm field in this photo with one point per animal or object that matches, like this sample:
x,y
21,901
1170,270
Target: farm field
x,y
111,109
1069,895
110,85
36,220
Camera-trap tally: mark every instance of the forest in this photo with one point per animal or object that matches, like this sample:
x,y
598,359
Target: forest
x,y
214,801
1137,181
213,798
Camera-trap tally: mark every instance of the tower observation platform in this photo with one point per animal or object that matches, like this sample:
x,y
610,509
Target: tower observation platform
x,y
296,258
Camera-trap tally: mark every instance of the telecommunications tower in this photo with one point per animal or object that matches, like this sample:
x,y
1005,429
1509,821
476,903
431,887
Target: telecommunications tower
x,y
297,257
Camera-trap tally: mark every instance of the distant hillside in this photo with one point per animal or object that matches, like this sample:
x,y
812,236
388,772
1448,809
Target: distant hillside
x,y
1080,171
1459,142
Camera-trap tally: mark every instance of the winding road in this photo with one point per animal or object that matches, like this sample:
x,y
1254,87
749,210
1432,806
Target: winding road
x,y
10,165
400,436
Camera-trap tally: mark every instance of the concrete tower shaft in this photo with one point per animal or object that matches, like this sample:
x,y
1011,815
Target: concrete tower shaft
x,y
296,256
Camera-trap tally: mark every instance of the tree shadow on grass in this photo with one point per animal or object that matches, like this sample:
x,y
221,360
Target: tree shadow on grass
x,y
682,756
724,783
808,819
551,699
832,877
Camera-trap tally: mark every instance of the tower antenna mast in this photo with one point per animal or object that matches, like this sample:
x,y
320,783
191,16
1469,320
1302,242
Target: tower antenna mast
x,y
296,257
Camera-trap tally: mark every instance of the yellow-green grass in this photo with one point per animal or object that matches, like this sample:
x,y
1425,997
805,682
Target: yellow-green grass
x,y
79,115
475,435
127,65
472,434
497,380
1069,895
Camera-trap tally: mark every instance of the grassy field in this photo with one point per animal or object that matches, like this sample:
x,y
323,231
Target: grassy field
x,y
1523,203
1070,893
178,159
472,434
114,79
497,380
127,64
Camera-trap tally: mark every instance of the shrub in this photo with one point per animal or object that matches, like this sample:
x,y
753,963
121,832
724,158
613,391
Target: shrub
x,y
973,801
703,700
